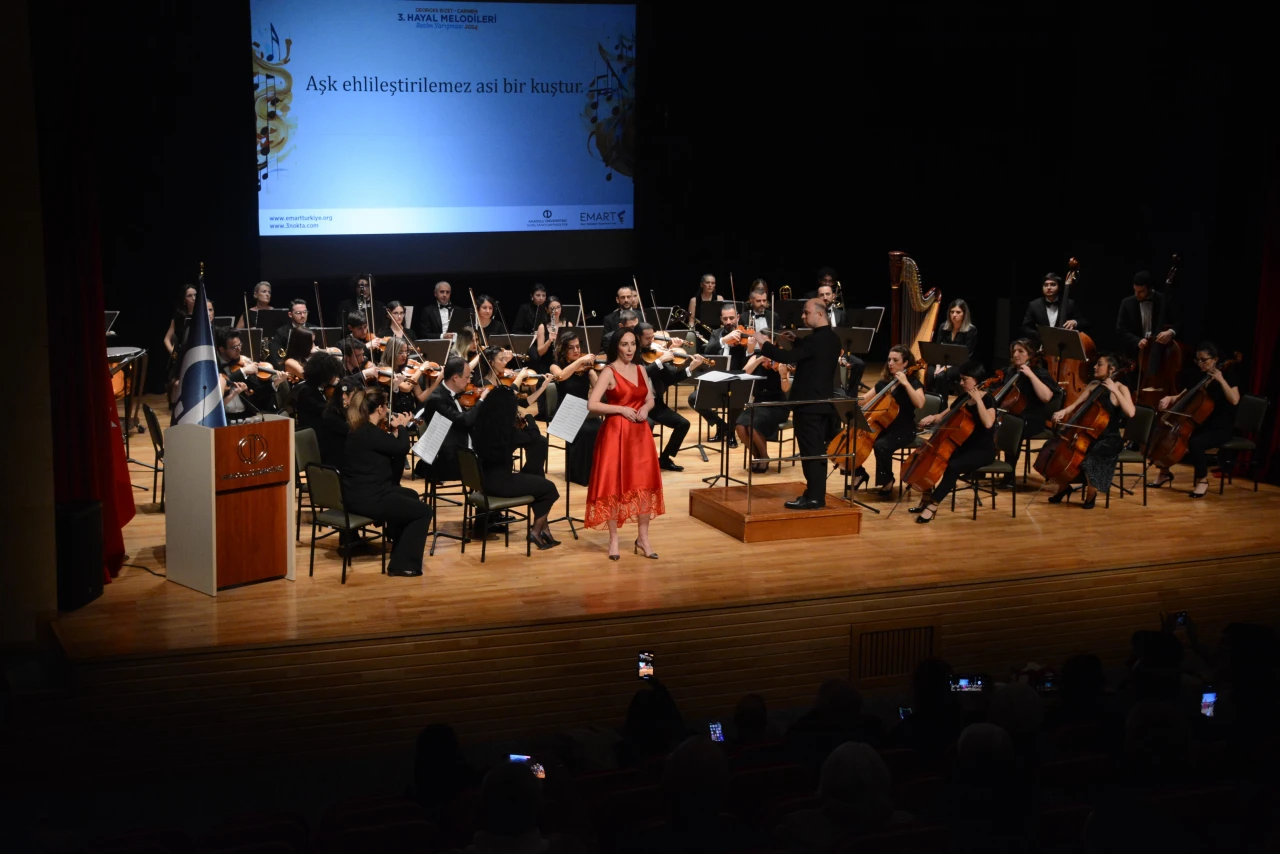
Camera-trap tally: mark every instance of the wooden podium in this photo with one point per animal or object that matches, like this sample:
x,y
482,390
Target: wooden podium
x,y
229,504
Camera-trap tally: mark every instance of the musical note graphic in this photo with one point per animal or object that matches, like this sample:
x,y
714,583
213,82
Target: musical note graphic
x,y
610,109
272,96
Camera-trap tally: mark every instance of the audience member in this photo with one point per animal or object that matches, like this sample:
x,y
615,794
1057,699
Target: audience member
x,y
935,719
856,792
836,717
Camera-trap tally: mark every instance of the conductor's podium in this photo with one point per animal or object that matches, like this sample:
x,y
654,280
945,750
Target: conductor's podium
x,y
229,503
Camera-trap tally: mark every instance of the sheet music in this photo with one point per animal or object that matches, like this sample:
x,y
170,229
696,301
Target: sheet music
x,y
721,376
429,445
570,415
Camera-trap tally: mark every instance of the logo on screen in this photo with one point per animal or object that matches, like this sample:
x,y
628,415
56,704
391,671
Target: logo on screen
x,y
252,449
603,218
546,214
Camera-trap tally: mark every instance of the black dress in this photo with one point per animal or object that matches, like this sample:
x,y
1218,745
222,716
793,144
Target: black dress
x,y
768,420
180,330
502,481
1038,413
332,437
1099,464
948,382
582,450
901,432
977,451
371,488
308,406
1219,427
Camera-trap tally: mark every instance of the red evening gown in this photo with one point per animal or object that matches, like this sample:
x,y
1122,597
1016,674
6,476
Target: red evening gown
x,y
625,479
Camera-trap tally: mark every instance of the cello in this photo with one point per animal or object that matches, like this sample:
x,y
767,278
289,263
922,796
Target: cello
x,y
1174,426
880,411
926,465
1159,365
1060,458
1071,375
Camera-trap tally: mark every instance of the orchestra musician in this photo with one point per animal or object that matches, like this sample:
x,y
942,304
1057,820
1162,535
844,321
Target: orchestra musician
x,y
547,333
487,323
310,397
261,302
496,438
443,401
662,374
1142,314
815,357
625,479
360,301
302,344
532,313
396,313
370,480
241,376
758,309
827,293
433,321
357,369
497,361
960,331
1098,468
358,328
1219,427
574,374
280,341
760,428
332,433
1036,387
1050,309
977,451
726,342
627,319
408,393
901,432
175,337
706,293
622,297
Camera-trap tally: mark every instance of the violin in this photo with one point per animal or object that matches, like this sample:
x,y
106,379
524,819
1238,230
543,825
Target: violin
x,y
1174,426
880,411
1071,375
1060,458
748,336
654,352
927,463
470,395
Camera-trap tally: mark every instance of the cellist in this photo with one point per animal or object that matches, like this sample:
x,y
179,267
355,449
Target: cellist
x,y
901,432
1224,391
1099,464
1035,389
977,451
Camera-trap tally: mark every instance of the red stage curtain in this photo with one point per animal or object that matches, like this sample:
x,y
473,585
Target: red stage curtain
x,y
1265,374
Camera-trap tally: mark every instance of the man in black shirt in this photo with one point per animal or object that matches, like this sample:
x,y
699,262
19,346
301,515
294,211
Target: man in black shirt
x,y
432,321
661,374
815,357
280,341
1051,310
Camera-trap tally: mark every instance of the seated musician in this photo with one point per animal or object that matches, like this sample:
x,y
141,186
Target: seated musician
x,y
310,396
977,451
358,328
759,426
960,331
901,433
407,391
443,402
283,336
1036,389
1050,309
357,370
661,374
1099,466
358,300
496,362
252,395
261,302
302,344
725,341
1223,389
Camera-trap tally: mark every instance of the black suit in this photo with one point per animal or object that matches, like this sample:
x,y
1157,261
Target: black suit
x,y
815,357
1129,326
370,481
662,377
1037,315
610,321
426,320
737,361
442,401
380,320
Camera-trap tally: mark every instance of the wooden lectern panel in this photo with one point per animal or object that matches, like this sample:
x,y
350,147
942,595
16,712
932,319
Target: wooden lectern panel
x,y
244,553
254,454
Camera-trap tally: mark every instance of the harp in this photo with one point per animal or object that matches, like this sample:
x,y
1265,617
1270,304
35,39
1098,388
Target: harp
x,y
914,315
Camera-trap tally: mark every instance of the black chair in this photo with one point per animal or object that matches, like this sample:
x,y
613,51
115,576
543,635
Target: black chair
x,y
1039,433
325,488
157,443
1136,435
306,452
484,506
1249,417
932,406
1008,438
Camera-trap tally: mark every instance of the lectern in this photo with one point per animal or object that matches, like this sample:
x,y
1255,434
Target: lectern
x,y
229,507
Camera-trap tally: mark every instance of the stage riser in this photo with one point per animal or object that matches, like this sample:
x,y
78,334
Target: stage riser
x,y
254,704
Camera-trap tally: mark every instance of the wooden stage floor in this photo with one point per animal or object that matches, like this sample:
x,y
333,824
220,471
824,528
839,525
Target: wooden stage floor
x,y
532,644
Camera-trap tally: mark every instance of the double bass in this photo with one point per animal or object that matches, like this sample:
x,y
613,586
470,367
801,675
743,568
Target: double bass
x,y
1071,375
1060,458
1159,365
1174,426
927,463
880,411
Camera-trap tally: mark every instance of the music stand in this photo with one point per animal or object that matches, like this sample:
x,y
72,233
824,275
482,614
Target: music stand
x,y
722,394
870,317
435,349
661,316
223,321
328,336
257,344
268,319
850,414
946,355
789,313
125,358
709,312
458,319
519,344
855,339
595,337
1063,343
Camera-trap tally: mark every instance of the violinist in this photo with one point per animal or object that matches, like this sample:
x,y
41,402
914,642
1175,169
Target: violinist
x,y
433,321
662,373
283,337
901,432
396,312
548,332
334,428
1034,386
532,313
758,311
487,325
496,361
309,397
1224,390
443,401
408,390
241,375
295,354
1099,464
727,341
1050,309
706,293
358,328
360,300
496,440
370,480
960,331
465,347
575,375
761,428
261,302
1147,315
977,451
357,370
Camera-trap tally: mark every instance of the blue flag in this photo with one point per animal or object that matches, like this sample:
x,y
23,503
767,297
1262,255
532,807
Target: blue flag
x,y
199,392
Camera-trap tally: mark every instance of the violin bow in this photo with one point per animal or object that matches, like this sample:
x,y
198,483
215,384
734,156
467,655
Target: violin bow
x,y
373,321
324,336
475,314
636,287
247,325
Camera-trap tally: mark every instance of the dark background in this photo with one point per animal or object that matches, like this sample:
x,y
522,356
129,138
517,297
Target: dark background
x,y
989,142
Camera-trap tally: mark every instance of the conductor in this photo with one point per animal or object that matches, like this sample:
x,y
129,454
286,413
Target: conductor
x,y
815,357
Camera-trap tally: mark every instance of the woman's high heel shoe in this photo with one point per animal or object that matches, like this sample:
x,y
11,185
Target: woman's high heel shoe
x,y
922,519
548,539
886,490
1089,502
859,480
1161,480
1057,497
1197,493
649,555
538,543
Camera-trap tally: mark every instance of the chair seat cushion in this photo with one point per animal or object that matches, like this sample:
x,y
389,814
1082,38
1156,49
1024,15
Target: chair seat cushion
x,y
475,499
1131,457
1238,445
338,519
1043,434
998,467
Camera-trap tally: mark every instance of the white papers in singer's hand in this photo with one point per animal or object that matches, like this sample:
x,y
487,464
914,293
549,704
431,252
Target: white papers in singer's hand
x,y
720,376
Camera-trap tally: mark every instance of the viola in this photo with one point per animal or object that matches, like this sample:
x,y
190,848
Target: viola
x,y
1174,426
1060,458
880,411
1071,375
927,463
